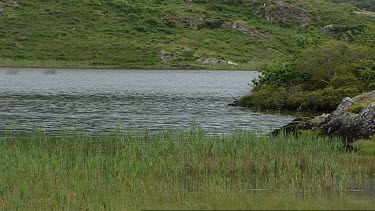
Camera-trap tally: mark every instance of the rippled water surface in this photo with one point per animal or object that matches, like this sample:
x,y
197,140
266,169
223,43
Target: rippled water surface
x,y
105,99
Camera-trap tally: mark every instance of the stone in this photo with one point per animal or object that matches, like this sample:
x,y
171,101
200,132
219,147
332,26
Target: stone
x,y
347,123
164,55
298,124
226,24
278,11
353,119
189,22
215,61
251,31
364,14
327,29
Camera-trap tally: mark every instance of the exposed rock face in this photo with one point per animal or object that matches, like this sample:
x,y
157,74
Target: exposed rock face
x,y
189,22
367,14
346,123
164,55
353,119
248,30
226,24
215,61
328,28
276,10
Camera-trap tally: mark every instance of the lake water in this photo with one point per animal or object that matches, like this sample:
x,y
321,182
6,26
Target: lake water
x,y
101,100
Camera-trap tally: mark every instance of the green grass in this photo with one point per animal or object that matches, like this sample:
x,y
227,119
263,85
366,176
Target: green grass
x,y
365,147
364,101
131,34
177,170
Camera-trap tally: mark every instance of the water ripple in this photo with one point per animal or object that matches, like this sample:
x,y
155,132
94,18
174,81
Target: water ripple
x,y
104,99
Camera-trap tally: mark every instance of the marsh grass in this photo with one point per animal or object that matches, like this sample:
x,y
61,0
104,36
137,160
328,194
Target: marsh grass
x,y
129,170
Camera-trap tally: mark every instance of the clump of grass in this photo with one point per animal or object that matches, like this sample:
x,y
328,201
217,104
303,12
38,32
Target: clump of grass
x,y
169,169
365,147
360,104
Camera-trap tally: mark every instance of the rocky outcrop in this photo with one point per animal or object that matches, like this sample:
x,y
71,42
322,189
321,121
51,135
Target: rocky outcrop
x,y
353,119
215,61
164,55
189,22
328,28
302,123
7,3
367,14
248,30
276,10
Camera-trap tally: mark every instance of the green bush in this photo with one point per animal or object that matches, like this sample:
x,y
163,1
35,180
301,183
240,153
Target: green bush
x,y
317,80
246,100
325,99
283,73
271,96
365,70
346,81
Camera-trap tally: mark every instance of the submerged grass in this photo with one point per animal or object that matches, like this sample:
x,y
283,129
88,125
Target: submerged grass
x,y
176,170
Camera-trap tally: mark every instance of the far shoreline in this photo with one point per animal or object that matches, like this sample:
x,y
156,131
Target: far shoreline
x,y
56,64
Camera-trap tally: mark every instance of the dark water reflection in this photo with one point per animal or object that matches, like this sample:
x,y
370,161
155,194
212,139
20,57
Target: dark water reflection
x,y
104,99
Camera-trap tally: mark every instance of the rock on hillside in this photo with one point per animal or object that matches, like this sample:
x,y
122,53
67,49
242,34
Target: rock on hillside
x,y
353,119
278,11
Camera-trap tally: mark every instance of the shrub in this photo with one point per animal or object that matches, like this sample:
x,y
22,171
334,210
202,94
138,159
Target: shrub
x,y
365,71
282,73
331,60
317,80
272,96
347,81
325,99
246,100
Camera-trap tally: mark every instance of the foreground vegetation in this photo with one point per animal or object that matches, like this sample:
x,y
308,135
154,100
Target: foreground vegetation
x,y
179,170
164,34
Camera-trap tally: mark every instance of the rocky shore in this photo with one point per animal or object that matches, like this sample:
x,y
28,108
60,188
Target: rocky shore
x,y
353,119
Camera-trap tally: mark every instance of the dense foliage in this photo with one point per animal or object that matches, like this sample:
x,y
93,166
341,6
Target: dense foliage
x,y
318,78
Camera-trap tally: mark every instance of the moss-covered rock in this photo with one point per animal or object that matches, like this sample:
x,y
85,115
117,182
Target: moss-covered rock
x,y
353,119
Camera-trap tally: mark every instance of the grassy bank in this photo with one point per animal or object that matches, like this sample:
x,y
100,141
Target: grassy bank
x,y
178,170
11,63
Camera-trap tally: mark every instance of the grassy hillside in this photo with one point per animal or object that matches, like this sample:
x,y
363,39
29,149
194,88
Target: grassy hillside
x,y
164,33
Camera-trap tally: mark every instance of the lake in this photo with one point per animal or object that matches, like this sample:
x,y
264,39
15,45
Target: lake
x,y
102,100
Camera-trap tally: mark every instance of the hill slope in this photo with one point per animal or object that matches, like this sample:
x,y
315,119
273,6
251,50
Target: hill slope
x,y
166,33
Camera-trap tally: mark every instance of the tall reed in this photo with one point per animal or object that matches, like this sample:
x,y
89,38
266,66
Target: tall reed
x,y
131,170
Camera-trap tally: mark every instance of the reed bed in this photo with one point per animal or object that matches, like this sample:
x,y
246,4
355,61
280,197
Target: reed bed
x,y
129,170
